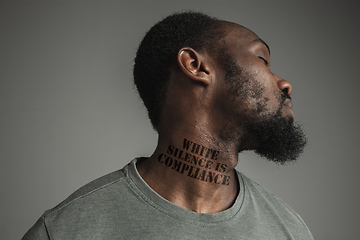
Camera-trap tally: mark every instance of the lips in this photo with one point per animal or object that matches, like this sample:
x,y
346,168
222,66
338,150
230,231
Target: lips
x,y
288,104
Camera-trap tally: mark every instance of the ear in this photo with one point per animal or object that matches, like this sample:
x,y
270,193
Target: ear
x,y
195,65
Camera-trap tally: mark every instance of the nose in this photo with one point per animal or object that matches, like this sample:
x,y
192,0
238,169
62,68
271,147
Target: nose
x,y
284,86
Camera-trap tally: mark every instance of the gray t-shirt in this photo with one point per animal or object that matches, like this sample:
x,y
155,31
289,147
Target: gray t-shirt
x,y
121,205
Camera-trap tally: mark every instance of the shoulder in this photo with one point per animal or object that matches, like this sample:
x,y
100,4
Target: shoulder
x,y
88,198
85,195
100,186
273,208
261,196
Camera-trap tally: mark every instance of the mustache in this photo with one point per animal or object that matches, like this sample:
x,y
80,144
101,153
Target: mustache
x,y
285,96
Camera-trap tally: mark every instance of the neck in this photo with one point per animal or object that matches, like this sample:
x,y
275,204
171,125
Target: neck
x,y
192,172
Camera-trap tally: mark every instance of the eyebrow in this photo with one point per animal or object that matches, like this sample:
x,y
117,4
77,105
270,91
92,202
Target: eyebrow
x,y
262,41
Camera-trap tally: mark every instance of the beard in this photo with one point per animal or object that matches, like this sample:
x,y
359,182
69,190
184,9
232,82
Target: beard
x,y
277,138
272,136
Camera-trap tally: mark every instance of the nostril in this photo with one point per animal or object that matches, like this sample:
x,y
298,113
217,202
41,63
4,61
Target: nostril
x,y
285,94
286,91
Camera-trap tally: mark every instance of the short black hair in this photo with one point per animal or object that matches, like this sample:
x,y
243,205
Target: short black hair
x,y
159,49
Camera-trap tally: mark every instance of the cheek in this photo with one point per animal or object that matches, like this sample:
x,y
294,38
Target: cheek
x,y
264,100
257,95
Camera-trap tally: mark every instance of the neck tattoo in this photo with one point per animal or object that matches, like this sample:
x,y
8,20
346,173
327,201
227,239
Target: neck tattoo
x,y
195,161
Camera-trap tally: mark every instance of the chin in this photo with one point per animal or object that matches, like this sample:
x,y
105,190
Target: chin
x,y
277,138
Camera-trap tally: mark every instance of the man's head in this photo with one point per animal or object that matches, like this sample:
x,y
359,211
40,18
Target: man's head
x,y
250,105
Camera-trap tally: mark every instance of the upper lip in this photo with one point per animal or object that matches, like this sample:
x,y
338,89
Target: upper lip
x,y
288,104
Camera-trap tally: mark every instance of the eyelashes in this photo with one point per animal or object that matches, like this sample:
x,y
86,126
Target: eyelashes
x,y
264,60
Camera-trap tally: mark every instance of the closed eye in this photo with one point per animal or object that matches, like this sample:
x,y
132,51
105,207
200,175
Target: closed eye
x,y
264,60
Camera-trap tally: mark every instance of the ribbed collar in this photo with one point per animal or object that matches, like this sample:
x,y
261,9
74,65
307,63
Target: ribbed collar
x,y
161,204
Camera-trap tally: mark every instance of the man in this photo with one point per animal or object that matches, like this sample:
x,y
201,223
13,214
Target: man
x,y
210,94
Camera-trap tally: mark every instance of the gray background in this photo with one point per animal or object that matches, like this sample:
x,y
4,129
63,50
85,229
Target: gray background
x,y
69,113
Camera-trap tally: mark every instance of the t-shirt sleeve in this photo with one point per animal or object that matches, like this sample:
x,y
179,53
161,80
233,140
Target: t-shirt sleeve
x,y
37,232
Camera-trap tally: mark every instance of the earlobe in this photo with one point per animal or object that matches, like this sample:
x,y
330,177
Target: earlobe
x,y
193,64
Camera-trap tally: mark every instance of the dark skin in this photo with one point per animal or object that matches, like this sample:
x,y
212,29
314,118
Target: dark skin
x,y
198,107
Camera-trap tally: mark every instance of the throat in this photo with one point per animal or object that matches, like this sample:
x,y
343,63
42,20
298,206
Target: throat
x,y
192,176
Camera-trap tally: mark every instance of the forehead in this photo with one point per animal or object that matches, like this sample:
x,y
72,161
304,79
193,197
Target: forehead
x,y
239,37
